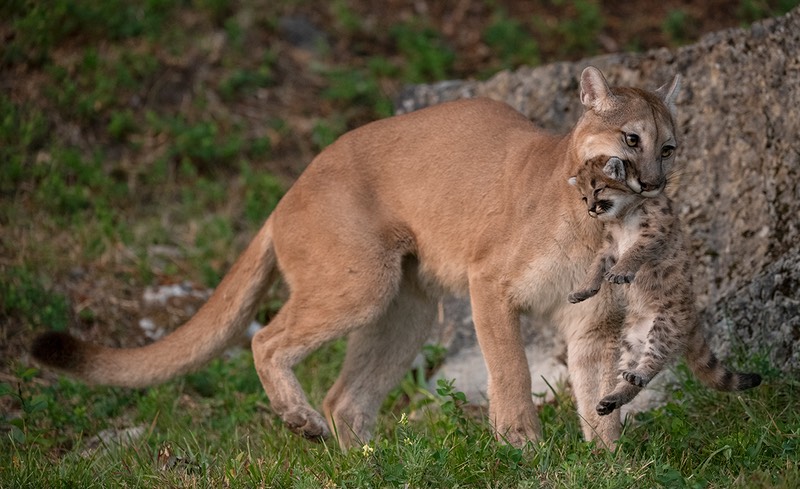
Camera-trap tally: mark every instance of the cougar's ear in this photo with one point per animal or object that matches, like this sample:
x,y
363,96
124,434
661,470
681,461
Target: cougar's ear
x,y
615,169
595,93
572,181
669,92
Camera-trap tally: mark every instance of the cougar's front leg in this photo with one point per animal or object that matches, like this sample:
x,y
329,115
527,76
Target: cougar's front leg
x,y
511,408
592,331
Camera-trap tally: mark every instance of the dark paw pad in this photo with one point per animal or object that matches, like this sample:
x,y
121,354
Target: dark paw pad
x,y
620,278
635,379
606,406
581,295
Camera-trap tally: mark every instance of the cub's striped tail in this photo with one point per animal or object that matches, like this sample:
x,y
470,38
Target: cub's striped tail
x,y
707,367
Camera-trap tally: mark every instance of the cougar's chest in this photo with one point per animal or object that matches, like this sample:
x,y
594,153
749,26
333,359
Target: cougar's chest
x,y
554,267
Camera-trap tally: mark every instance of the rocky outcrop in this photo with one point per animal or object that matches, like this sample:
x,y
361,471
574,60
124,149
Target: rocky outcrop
x,y
739,130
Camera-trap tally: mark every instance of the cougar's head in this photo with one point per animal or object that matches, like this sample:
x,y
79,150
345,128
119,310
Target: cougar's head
x,y
602,183
635,125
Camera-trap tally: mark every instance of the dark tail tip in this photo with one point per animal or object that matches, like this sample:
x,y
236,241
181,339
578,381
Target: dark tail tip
x,y
58,350
748,381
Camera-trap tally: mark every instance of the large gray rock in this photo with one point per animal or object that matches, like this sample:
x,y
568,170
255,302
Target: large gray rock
x,y
739,130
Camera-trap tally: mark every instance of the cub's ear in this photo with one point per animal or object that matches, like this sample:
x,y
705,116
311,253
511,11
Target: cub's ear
x,y
669,92
595,93
615,169
572,181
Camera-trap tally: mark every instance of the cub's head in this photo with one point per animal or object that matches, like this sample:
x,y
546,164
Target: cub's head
x,y
601,182
637,125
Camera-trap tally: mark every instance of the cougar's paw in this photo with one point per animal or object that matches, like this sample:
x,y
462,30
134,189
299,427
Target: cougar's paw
x,y
619,276
518,437
519,430
636,379
581,295
307,423
606,406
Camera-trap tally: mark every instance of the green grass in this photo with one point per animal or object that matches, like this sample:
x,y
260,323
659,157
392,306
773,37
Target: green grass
x,y
215,428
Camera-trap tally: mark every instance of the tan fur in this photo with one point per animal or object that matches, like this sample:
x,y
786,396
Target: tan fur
x,y
467,196
647,251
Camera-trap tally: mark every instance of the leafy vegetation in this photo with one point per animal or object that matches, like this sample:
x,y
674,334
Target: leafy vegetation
x,y
215,428
143,143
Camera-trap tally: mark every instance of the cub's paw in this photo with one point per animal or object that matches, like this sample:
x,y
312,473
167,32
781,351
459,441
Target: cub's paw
x,y
618,276
607,405
581,295
636,379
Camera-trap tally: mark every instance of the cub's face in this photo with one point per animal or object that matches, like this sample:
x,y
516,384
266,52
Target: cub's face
x,y
601,182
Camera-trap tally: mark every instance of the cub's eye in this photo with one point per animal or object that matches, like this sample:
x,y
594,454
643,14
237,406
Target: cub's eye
x,y
667,151
632,140
597,192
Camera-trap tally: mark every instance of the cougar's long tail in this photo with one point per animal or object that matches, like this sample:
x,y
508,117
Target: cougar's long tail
x,y
222,319
707,367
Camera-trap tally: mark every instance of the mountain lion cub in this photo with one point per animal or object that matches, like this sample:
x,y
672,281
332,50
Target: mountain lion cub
x,y
467,196
646,249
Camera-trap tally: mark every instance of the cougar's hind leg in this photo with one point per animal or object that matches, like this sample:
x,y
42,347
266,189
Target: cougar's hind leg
x,y
325,303
377,358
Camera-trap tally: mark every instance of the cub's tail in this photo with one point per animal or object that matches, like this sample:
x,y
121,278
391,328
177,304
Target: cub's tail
x,y
707,367
222,319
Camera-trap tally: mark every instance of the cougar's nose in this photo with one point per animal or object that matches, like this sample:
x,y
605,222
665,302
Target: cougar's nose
x,y
650,187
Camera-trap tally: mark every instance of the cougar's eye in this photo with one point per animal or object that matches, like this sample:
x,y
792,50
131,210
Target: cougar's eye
x,y
584,199
632,140
597,192
667,151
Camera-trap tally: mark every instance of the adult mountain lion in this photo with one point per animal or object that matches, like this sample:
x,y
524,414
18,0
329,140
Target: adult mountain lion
x,y
467,196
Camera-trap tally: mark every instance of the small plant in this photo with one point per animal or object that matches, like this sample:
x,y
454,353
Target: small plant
x,y
242,81
70,183
201,146
454,400
581,32
23,131
344,17
750,11
38,28
359,87
325,132
426,56
121,125
510,41
262,191
26,299
578,31
677,26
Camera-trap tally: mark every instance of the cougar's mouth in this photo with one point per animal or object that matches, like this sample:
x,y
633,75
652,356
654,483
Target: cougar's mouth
x,y
651,192
646,189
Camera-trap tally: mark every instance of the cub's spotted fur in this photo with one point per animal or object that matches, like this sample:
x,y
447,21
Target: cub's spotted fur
x,y
646,249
